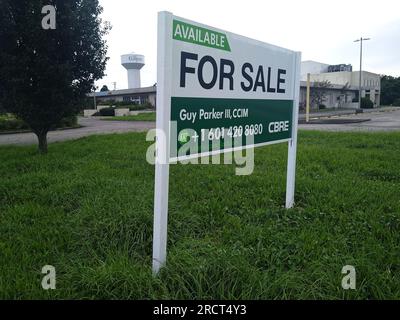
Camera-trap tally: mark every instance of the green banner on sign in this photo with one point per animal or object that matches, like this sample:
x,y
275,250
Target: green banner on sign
x,y
210,120
205,37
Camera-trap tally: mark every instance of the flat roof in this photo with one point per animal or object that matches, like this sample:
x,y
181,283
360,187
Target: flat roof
x,y
152,89
332,87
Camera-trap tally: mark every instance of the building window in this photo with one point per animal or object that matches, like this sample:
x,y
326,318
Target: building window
x,y
137,99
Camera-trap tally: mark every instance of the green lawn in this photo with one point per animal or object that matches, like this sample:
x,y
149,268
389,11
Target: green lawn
x,y
87,209
148,116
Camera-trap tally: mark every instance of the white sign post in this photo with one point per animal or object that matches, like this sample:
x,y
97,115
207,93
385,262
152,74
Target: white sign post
x,y
214,85
292,149
164,72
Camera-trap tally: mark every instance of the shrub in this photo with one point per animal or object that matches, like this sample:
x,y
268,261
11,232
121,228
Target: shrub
x,y
107,112
134,107
396,102
87,103
366,103
123,103
137,107
124,107
12,124
68,122
117,104
2,110
322,106
106,102
149,105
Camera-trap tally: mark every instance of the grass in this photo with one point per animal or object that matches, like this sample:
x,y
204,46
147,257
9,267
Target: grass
x,y
147,116
87,209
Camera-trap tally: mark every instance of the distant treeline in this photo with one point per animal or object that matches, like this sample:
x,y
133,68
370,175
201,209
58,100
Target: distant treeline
x,y
390,91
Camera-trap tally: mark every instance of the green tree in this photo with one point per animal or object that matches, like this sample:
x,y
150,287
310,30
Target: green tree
x,y
2,110
390,90
46,73
318,91
104,88
366,103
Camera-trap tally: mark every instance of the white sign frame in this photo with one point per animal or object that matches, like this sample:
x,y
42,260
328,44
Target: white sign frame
x,y
164,90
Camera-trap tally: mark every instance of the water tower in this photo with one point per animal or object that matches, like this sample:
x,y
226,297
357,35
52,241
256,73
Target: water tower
x,y
133,63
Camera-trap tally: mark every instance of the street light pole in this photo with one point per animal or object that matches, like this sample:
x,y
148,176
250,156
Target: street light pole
x,y
359,84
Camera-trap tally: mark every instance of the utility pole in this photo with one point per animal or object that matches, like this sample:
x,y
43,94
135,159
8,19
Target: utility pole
x,y
308,99
359,85
94,97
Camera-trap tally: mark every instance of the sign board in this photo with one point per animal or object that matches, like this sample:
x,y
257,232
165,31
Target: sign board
x,y
228,86
214,86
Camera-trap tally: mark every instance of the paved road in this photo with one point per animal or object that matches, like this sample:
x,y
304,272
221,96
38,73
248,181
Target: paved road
x,y
384,120
328,113
387,120
91,126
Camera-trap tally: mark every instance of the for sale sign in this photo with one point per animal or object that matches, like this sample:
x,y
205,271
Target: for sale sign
x,y
218,92
227,88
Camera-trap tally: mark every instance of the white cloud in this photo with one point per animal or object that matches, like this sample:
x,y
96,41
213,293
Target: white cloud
x,y
323,30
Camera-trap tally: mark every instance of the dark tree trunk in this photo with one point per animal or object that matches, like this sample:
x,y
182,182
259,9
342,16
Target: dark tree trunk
x,y
42,138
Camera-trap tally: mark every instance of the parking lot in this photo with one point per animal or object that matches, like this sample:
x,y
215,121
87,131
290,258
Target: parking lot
x,y
385,119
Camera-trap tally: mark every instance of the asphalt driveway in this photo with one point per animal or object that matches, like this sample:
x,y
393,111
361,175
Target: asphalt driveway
x,y
387,119
91,126
380,120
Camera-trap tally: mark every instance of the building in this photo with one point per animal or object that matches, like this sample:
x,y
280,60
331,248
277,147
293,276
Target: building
x,y
146,95
135,94
312,67
342,92
344,84
336,96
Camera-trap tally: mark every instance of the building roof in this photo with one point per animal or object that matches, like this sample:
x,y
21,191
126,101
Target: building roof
x,y
151,89
316,62
303,84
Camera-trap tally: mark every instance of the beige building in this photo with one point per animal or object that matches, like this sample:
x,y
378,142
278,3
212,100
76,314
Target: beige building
x,y
344,80
336,96
342,92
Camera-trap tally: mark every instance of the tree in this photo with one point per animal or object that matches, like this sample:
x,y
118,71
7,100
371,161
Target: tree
x,y
45,73
318,92
390,90
104,88
2,110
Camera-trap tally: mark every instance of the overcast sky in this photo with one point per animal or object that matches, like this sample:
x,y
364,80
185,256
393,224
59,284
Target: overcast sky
x,y
323,31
